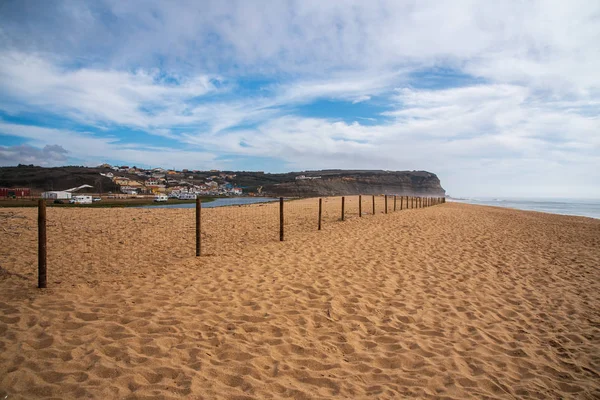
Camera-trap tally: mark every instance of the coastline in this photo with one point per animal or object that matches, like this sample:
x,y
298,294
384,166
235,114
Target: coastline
x,y
574,207
451,300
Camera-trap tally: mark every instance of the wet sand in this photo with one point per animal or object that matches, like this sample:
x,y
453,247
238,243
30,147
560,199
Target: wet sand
x,y
452,301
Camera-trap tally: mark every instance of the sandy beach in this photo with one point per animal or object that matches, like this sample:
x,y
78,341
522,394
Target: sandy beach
x,y
453,301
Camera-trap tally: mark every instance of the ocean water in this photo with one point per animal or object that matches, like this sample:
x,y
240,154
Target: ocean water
x,y
578,207
222,202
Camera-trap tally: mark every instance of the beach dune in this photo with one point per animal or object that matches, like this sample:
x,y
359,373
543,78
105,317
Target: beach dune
x,y
452,301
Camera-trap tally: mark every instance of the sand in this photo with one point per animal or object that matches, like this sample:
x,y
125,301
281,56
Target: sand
x,y
452,301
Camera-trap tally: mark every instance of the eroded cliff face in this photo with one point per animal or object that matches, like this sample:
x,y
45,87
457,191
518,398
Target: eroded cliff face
x,y
404,183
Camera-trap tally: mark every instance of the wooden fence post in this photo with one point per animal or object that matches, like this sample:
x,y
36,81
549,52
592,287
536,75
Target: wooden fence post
x,y
373,204
42,277
412,202
198,227
320,211
281,219
385,204
343,200
394,202
359,205
401,200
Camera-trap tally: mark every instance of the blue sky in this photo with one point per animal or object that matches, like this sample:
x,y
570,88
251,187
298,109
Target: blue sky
x,y
496,99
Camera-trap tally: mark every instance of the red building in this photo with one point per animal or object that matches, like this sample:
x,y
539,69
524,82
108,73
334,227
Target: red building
x,y
15,192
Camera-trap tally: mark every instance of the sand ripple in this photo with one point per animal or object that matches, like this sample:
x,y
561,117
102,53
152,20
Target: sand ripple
x,y
453,301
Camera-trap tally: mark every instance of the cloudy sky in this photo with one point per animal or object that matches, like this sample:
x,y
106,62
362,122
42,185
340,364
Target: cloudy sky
x,y
496,98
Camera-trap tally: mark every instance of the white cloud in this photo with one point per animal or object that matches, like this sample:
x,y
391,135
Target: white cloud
x,y
529,125
469,136
550,42
140,99
92,150
50,155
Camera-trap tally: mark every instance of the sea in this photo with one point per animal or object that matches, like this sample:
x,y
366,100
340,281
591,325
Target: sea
x,y
564,206
221,202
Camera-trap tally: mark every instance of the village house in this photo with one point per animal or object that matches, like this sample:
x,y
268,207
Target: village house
x,y
121,180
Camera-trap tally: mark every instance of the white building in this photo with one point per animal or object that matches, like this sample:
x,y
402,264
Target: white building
x,y
57,195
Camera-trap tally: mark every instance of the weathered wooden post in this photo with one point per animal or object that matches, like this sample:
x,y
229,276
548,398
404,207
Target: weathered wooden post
x,y
198,227
281,219
320,211
42,277
394,202
343,201
385,203
401,200
412,202
359,205
373,204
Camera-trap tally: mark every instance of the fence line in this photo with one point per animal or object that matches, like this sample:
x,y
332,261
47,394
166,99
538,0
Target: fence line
x,y
222,229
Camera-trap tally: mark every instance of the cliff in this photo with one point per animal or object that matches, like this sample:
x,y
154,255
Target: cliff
x,y
290,184
332,183
40,179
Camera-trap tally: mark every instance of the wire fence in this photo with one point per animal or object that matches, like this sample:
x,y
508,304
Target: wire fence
x,y
93,245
